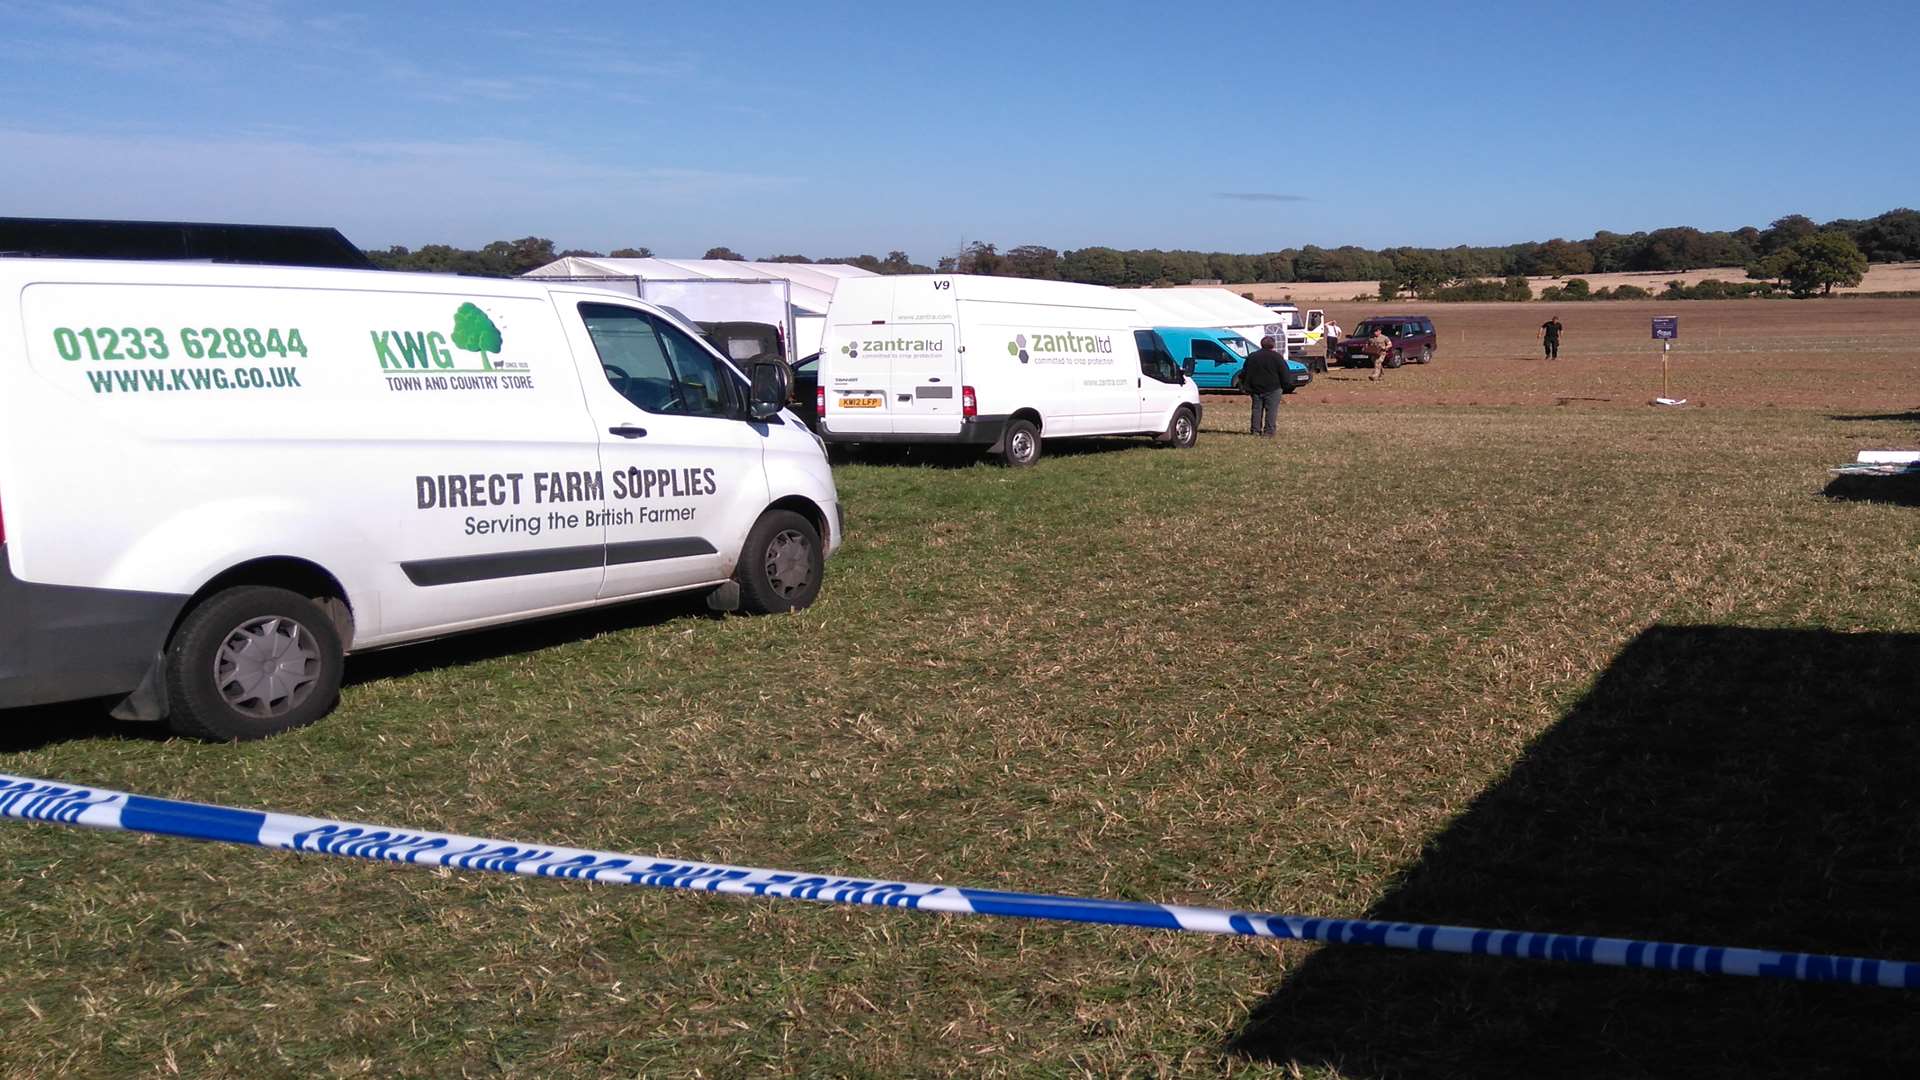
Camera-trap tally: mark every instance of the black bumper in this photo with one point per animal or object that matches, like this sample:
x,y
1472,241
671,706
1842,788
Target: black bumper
x,y
977,431
65,642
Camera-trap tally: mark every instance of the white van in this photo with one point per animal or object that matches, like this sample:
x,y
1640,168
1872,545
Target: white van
x,y
994,362
1302,331
215,481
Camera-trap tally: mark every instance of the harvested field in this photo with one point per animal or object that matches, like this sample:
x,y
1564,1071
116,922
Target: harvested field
x,y
1856,355
1880,278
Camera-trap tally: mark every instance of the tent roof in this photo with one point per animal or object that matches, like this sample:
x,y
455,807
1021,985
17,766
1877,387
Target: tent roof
x,y
812,283
1214,307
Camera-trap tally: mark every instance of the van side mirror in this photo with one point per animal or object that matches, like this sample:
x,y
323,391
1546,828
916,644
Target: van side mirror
x,y
770,387
1187,368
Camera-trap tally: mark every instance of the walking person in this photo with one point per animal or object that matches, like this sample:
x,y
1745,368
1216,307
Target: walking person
x,y
1378,346
1264,377
1331,334
1550,336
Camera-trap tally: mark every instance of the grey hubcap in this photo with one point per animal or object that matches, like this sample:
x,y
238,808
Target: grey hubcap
x,y
1022,446
789,563
267,666
1183,429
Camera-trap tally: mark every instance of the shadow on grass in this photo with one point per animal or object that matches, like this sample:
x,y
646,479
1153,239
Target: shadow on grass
x,y
49,725
38,726
1893,490
1718,786
907,455
482,645
1909,417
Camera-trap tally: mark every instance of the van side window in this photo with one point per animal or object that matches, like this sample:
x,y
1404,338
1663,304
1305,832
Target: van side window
x,y
1155,361
1208,350
655,365
707,385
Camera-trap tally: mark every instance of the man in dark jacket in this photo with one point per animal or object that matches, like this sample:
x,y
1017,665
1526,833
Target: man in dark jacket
x,y
1264,378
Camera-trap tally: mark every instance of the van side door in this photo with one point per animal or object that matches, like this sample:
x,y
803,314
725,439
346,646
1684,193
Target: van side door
x,y
1214,366
1160,384
684,475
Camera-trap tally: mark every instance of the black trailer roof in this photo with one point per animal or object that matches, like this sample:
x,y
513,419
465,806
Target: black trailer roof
x,y
197,241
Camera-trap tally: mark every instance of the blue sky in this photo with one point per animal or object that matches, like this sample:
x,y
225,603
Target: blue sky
x,y
838,128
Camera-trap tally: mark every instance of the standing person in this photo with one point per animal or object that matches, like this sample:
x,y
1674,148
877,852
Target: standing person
x,y
1550,336
1378,346
1263,377
1331,334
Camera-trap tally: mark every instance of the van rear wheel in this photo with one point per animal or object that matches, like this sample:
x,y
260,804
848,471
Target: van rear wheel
x,y
1020,446
781,564
249,662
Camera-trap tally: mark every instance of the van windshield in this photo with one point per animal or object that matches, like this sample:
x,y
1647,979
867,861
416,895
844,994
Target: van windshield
x,y
1241,346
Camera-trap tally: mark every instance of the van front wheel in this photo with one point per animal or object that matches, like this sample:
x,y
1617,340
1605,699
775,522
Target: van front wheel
x,y
1020,446
1182,432
249,662
781,564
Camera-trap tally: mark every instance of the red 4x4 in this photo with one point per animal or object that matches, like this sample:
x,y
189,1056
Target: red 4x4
x,y
1414,341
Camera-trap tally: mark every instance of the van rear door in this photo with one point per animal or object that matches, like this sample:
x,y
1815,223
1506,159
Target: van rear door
x,y
855,383
924,376
902,378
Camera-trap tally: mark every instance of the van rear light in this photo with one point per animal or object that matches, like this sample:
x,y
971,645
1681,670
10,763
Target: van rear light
x,y
969,405
820,401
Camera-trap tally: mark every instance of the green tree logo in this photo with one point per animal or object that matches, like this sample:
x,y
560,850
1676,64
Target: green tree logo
x,y
474,332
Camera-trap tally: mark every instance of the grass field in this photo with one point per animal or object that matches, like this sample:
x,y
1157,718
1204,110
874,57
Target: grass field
x,y
1612,670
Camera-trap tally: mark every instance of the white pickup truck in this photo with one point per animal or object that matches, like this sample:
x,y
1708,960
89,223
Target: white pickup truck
x,y
1301,332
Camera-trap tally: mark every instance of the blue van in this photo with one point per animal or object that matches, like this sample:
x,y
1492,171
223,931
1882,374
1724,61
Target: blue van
x,y
1218,356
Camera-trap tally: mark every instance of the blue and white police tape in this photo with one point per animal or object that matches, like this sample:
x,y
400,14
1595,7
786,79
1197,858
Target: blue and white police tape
x,y
99,808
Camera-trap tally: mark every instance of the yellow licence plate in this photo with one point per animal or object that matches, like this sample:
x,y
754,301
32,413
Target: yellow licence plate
x,y
859,402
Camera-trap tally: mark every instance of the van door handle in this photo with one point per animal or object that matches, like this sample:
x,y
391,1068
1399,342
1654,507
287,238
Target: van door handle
x,y
628,431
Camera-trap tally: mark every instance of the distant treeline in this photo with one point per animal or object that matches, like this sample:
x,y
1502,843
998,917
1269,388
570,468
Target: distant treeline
x,y
511,258
1892,237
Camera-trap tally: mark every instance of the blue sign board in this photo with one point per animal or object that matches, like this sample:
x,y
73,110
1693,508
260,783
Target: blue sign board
x,y
1666,327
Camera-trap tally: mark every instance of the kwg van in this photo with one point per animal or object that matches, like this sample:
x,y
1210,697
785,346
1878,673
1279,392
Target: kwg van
x,y
998,363
215,481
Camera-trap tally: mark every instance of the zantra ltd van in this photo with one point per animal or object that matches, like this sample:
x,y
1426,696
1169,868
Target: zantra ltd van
x,y
217,480
999,363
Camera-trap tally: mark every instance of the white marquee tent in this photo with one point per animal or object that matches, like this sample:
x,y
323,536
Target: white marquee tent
x,y
790,296
1215,308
